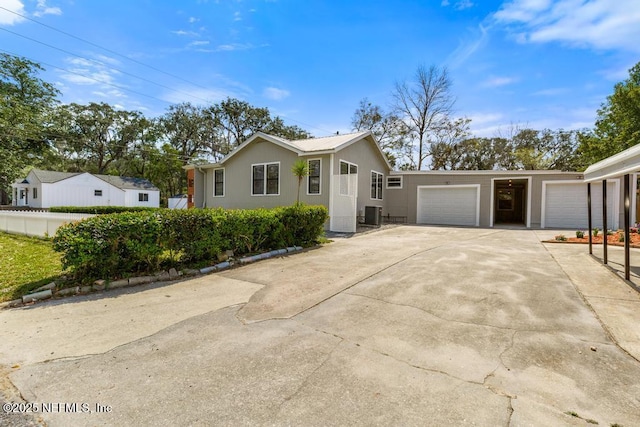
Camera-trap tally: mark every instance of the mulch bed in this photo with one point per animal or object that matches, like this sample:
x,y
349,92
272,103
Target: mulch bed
x,y
612,239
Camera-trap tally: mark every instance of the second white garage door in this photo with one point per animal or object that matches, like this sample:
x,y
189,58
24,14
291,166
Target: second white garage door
x,y
565,204
449,204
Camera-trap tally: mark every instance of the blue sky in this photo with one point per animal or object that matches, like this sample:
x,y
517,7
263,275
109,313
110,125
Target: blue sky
x,y
536,63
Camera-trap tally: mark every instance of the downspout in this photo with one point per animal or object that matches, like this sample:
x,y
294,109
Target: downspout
x,y
204,194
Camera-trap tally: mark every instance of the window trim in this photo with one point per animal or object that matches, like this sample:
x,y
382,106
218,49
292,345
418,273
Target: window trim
x,y
264,185
392,187
379,186
142,197
97,193
319,193
35,193
349,164
224,182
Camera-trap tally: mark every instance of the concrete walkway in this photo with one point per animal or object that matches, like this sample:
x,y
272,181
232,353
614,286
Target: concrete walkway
x,y
405,326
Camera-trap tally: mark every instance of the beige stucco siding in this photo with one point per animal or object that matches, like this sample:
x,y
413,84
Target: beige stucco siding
x,y
238,180
403,202
199,179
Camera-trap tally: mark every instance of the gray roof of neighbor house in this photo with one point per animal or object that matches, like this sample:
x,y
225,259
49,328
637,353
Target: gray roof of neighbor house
x,y
122,182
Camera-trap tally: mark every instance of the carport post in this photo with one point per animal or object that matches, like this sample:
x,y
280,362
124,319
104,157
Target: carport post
x,y
589,224
627,268
604,221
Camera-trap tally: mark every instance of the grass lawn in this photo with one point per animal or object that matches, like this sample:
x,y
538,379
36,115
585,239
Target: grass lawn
x,y
25,264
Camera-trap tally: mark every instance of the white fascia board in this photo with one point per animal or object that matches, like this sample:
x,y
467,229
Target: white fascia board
x,y
264,136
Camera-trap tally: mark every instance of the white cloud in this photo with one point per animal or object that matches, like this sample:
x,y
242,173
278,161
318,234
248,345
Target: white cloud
x,y
197,95
193,19
499,81
463,4
233,46
465,49
9,18
42,9
237,16
617,74
85,72
458,5
199,43
551,91
275,93
600,24
185,33
484,118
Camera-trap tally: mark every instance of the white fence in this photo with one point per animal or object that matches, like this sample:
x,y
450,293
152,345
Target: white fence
x,y
36,223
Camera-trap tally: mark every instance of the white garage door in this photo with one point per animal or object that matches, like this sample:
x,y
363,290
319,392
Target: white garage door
x,y
448,205
565,205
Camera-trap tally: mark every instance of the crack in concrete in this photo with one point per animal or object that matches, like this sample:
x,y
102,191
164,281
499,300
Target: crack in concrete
x,y
585,300
89,355
504,328
357,282
510,411
311,374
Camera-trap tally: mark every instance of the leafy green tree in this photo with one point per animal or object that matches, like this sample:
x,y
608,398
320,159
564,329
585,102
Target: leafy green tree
x,y
445,148
98,135
165,171
545,150
25,104
391,133
237,120
618,124
189,129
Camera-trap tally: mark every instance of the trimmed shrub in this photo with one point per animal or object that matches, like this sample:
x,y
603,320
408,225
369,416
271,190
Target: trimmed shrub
x,y
108,245
100,209
112,245
191,235
302,224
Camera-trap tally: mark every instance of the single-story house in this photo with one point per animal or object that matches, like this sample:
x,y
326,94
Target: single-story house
x,y
44,189
350,175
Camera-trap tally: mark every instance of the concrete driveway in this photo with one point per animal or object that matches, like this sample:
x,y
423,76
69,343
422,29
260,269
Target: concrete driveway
x,y
404,326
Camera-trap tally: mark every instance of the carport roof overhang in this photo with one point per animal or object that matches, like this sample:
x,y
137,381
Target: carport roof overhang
x,y
627,161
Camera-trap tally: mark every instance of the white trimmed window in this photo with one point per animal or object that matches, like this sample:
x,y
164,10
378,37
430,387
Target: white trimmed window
x,y
376,185
97,193
265,178
313,179
346,170
143,197
394,182
218,183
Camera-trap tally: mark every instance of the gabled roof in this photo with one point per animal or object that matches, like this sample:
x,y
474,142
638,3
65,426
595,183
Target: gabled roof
x,y
323,145
49,177
121,182
128,183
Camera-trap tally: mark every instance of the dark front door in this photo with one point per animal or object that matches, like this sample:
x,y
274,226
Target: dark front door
x,y
510,202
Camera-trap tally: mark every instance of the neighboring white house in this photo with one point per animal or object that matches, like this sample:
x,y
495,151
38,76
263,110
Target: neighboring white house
x,y
44,189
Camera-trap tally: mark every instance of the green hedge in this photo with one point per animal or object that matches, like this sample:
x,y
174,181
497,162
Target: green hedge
x,y
100,209
113,245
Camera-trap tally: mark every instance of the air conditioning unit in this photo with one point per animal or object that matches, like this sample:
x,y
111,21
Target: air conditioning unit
x,y
372,215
